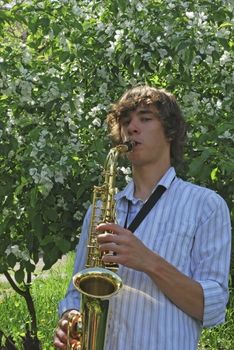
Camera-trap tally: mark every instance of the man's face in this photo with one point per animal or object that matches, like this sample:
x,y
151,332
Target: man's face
x,y
144,128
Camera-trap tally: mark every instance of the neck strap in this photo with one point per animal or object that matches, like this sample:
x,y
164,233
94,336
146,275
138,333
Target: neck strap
x,y
153,199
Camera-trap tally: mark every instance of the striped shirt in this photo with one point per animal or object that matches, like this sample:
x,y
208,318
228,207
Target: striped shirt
x,y
189,227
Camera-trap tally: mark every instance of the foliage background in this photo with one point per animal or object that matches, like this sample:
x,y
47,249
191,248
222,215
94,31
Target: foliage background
x,y
61,65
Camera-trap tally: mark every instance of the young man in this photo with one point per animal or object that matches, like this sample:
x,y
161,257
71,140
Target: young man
x,y
175,265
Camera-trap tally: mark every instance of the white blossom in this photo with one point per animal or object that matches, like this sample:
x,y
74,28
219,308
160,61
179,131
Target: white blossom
x,y
103,89
18,252
97,122
190,14
162,52
110,29
219,104
61,203
125,170
129,46
128,178
139,6
110,50
26,89
63,160
227,135
23,71
65,107
78,215
223,33
119,34
51,71
27,57
86,204
203,129
225,58
34,151
11,154
35,175
209,59
77,10
147,56
101,72
100,26
171,5
59,177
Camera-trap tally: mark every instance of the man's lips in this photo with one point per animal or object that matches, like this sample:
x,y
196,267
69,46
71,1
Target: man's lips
x,y
136,143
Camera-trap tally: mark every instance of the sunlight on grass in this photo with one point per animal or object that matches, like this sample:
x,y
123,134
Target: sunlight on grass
x,y
221,337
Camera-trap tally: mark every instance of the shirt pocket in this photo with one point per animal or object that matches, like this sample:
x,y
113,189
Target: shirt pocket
x,y
174,244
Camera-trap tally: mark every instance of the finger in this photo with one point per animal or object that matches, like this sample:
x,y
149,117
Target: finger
x,y
113,247
110,258
111,227
59,345
63,323
60,339
107,237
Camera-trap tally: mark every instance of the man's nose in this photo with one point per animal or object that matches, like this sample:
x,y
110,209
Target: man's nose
x,y
133,126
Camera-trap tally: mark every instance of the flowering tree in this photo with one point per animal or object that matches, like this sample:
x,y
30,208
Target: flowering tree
x,y
61,64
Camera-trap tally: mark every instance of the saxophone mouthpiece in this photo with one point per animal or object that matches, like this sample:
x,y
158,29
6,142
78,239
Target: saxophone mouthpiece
x,y
130,144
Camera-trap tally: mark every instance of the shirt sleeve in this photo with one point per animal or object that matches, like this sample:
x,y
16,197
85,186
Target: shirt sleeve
x,y
211,258
71,300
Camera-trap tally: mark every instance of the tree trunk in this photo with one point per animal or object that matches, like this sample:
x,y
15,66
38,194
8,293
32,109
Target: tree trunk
x,y
9,344
30,342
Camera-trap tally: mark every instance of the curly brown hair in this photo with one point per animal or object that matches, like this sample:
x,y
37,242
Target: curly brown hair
x,y
168,112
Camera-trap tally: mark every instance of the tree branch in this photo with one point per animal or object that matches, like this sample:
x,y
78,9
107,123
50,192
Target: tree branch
x,y
13,284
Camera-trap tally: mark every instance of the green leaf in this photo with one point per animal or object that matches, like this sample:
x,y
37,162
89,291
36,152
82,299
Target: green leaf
x,y
51,214
33,197
36,221
50,257
226,24
19,275
5,15
214,174
195,166
63,245
56,28
122,4
47,240
11,260
29,267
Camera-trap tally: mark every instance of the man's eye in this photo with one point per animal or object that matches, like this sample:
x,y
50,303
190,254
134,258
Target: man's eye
x,y
125,122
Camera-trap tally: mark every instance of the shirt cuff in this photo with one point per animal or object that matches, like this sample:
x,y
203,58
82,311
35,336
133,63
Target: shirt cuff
x,y
68,303
215,301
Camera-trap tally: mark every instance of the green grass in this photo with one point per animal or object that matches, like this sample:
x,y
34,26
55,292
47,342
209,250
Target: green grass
x,y
221,337
48,290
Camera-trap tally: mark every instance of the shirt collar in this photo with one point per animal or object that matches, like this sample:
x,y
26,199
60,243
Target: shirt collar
x,y
128,191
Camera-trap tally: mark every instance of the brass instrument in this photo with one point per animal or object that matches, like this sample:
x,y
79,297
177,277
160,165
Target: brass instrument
x,y
97,283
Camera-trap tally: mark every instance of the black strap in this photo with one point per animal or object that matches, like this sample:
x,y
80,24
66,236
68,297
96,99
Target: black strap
x,y
155,196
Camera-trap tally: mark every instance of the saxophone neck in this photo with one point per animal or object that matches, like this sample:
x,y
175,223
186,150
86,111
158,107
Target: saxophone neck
x,y
114,152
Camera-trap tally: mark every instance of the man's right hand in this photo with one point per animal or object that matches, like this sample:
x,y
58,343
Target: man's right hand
x,y
60,337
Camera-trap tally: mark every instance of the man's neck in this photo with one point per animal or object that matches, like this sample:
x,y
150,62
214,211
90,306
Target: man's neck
x,y
145,179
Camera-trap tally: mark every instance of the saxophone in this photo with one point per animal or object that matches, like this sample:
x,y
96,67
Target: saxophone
x,y
97,283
